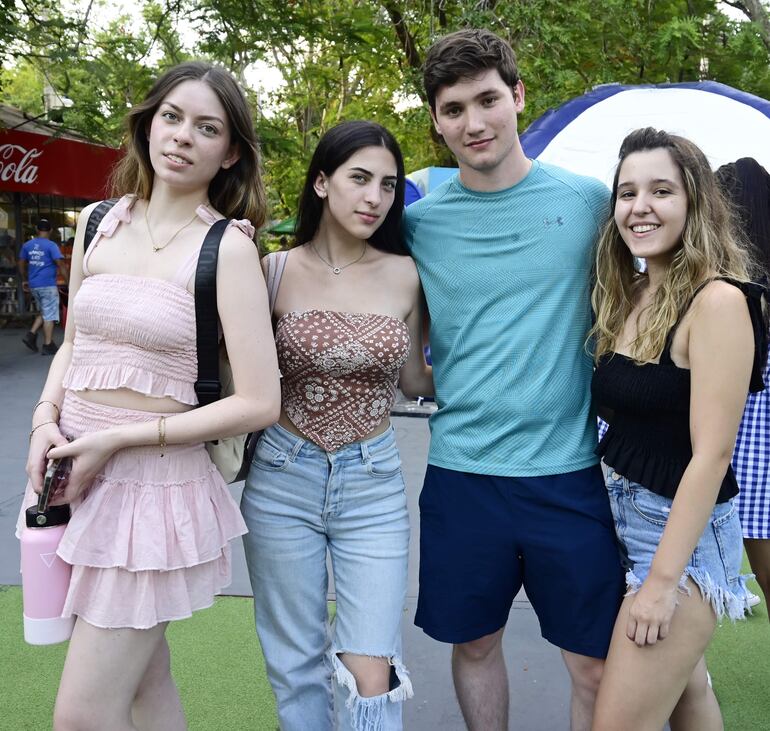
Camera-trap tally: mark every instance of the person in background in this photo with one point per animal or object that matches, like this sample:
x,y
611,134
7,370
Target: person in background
x,y
327,476
677,348
67,246
40,263
152,518
747,185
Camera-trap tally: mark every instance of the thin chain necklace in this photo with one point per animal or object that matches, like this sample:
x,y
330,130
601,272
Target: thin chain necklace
x,y
155,246
338,270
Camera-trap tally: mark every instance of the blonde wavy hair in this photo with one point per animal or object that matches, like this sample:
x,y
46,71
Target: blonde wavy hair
x,y
237,192
709,247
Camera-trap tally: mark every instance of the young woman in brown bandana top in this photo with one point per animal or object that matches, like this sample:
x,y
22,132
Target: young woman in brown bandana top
x,y
348,315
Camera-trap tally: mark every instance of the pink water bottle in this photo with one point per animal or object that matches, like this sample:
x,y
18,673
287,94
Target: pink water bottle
x,y
45,578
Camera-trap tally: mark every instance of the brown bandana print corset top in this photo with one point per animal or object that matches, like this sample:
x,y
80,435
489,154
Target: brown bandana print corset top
x,y
340,371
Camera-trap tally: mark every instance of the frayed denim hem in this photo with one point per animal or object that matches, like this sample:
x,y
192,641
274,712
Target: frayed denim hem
x,y
368,714
724,602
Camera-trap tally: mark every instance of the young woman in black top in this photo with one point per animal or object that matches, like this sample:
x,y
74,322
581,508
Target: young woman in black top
x,y
676,351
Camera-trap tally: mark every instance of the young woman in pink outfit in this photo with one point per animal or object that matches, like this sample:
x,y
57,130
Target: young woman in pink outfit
x,y
151,516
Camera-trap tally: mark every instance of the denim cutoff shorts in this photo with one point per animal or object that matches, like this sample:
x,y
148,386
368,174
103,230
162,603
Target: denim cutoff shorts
x,y
715,565
47,300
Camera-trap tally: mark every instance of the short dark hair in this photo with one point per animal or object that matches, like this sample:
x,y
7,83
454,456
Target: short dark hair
x,y
334,148
43,225
465,54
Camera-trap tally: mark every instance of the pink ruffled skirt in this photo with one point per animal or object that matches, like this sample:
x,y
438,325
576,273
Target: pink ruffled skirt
x,y
149,539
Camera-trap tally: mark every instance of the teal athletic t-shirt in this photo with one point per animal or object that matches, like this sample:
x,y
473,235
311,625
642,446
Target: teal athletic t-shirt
x,y
507,279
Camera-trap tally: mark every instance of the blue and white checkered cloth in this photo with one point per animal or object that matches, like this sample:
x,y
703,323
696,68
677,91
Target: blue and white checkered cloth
x,y
751,462
602,426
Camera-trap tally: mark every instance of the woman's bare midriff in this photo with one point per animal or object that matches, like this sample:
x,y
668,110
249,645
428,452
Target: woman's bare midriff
x,y
285,422
125,398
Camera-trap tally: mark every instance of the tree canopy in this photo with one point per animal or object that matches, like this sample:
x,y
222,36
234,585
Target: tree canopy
x,y
348,59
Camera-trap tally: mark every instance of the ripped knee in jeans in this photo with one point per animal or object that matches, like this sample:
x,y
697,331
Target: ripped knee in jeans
x,y
368,713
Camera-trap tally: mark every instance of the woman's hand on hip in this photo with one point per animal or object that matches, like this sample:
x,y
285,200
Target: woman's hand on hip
x,y
651,612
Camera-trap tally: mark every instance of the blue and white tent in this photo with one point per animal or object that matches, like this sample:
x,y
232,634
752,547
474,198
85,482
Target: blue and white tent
x,y
584,134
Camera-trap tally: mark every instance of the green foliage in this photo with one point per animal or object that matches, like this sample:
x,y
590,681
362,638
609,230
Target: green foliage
x,y
347,59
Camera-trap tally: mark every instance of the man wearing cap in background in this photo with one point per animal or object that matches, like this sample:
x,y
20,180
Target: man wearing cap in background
x,y
40,261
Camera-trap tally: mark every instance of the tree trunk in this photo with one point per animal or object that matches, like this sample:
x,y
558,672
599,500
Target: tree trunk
x,y
758,14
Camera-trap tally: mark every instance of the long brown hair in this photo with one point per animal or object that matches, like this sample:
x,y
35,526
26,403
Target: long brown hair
x,y
237,192
708,248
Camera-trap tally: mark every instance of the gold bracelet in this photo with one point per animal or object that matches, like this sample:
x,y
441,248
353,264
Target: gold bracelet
x,y
45,401
162,434
42,423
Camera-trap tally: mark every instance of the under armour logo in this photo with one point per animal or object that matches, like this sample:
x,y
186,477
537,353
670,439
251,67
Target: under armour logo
x,y
557,222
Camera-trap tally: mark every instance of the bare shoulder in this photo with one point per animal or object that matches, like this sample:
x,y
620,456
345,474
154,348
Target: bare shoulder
x,y
720,314
719,299
265,262
236,247
266,259
400,268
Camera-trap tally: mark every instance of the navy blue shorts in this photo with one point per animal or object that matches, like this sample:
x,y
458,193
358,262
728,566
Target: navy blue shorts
x,y
482,537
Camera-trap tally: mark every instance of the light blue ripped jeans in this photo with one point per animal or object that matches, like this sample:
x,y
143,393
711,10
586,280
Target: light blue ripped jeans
x,y
715,565
299,501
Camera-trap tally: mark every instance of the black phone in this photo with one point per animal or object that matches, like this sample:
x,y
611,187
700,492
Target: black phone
x,y
57,476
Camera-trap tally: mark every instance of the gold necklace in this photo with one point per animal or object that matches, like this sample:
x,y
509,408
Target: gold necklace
x,y
157,248
336,269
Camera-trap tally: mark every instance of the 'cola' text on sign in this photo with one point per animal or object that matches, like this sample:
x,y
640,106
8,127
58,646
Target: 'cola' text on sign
x,y
16,164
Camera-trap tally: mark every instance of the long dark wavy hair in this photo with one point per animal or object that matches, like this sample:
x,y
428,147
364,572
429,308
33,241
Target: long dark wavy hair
x,y
237,192
334,148
747,186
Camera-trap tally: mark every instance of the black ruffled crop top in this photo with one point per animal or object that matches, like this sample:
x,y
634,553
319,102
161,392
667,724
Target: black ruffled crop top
x,y
648,440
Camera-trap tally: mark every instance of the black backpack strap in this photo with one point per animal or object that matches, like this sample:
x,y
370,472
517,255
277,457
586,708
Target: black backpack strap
x,y
208,387
95,219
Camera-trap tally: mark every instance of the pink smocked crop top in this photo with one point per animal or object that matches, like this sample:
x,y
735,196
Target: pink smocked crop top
x,y
340,372
136,332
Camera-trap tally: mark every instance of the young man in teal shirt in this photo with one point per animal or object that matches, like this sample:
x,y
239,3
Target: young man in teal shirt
x,y
513,494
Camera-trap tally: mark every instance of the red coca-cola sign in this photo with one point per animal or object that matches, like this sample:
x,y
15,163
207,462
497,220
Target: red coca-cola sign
x,y
31,163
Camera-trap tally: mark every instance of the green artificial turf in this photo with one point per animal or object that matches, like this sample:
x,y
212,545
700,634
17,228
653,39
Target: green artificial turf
x,y
738,659
218,666
216,662
221,674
